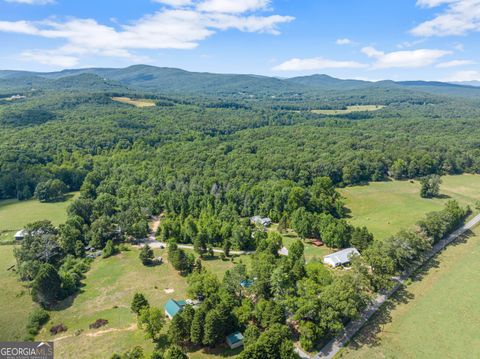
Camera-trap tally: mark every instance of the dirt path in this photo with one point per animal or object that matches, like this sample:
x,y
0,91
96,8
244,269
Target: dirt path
x,y
100,332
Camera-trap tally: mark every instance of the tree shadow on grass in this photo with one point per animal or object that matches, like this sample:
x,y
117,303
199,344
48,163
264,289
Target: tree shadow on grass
x,y
369,334
221,351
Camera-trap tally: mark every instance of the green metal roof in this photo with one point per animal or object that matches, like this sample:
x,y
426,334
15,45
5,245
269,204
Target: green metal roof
x,y
173,307
235,337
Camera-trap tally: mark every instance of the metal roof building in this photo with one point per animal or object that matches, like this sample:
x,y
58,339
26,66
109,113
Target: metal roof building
x,y
340,258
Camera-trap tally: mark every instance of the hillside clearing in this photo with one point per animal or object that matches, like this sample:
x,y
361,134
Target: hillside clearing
x,y
349,109
135,102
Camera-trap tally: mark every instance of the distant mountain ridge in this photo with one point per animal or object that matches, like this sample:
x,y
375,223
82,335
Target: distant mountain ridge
x,y
172,80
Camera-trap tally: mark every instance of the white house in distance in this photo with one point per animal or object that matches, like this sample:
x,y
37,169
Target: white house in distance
x,y
340,258
20,234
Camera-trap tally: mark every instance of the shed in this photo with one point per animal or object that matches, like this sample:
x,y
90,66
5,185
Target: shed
x,y
340,258
173,307
283,251
261,221
235,340
20,234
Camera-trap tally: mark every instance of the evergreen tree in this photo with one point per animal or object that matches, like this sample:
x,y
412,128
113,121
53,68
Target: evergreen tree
x,y
46,285
146,255
138,303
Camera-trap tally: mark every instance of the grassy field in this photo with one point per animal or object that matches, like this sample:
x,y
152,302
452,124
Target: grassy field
x,y
15,299
135,102
386,207
436,316
14,214
350,109
107,294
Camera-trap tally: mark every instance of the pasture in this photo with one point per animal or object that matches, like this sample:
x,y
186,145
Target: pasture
x,y
436,316
15,299
135,102
387,207
349,109
107,294
14,214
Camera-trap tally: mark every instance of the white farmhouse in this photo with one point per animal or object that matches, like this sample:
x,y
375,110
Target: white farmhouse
x,y
340,258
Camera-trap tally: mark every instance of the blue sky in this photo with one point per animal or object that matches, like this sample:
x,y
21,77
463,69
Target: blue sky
x,y
365,39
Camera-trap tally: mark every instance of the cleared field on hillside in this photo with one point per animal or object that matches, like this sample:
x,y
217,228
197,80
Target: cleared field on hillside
x,y
350,109
15,300
135,102
14,214
436,316
387,207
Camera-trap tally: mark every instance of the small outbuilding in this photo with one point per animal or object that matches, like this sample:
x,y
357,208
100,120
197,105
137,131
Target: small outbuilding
x,y
20,234
261,221
173,307
235,340
340,258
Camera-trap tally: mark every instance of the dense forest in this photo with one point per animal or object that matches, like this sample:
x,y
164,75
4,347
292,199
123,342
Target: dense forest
x,y
207,162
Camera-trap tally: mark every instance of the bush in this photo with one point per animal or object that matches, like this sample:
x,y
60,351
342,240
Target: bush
x,y
98,323
109,250
36,320
59,328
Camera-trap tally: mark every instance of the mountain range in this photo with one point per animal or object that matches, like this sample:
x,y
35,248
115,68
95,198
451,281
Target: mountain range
x,y
170,80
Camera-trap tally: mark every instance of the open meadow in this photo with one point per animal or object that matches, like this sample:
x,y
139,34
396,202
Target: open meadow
x,y
436,316
349,109
387,207
14,214
135,102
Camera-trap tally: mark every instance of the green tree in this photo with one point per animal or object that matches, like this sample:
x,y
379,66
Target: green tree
x,y
430,186
174,352
139,302
46,285
146,255
51,191
151,320
213,328
109,250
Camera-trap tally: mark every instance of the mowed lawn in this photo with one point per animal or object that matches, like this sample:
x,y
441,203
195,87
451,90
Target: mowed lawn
x,y
109,288
14,214
387,207
15,300
435,317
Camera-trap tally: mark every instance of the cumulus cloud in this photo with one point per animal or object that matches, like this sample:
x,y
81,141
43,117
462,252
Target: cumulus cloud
x,y
180,26
404,59
455,63
458,18
317,63
32,2
344,41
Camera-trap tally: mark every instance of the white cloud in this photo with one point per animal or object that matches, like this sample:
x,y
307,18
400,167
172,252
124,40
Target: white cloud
x,y
232,6
404,59
464,76
459,17
169,28
49,58
344,41
455,63
174,3
317,63
32,2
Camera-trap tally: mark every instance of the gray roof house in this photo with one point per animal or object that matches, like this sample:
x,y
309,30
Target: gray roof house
x,y
340,258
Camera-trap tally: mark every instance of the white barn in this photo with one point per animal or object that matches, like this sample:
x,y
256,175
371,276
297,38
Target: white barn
x,y
340,258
